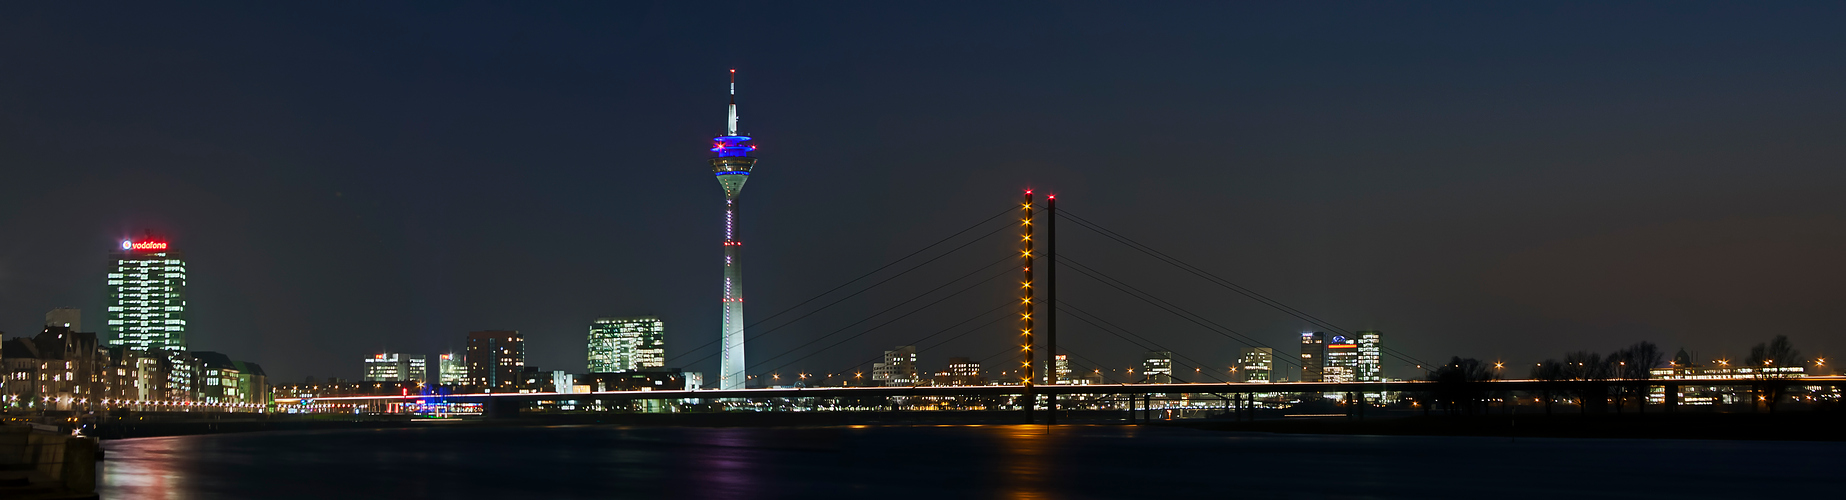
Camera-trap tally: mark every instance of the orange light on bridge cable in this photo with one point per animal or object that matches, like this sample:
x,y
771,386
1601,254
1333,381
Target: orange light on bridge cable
x,y
1025,284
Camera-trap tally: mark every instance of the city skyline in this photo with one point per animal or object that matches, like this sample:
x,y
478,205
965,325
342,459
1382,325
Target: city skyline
x,y
1466,206
644,349
1004,249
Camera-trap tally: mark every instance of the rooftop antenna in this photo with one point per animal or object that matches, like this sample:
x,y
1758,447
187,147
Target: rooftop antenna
x,y
733,122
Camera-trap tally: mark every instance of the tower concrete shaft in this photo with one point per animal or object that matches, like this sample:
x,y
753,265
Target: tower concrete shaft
x,y
731,162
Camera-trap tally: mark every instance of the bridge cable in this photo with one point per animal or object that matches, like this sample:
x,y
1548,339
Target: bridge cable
x,y
864,276
1002,305
1163,304
1220,281
957,293
1080,313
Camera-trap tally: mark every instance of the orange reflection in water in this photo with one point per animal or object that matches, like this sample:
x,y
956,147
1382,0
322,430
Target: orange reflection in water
x,y
1026,461
145,468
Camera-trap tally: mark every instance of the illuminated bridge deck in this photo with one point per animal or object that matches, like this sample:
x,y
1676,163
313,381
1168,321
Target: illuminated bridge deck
x,y
1102,389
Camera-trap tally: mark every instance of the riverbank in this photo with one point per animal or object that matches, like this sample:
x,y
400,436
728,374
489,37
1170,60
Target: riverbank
x,y
1784,426
171,426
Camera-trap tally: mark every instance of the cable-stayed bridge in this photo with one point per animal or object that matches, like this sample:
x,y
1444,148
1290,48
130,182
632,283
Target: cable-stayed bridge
x,y
999,299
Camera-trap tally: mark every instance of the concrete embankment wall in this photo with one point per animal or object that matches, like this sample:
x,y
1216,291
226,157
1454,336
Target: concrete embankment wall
x,y
42,461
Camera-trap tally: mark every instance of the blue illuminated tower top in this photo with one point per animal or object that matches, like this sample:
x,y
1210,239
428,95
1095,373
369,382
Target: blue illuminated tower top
x,y
731,159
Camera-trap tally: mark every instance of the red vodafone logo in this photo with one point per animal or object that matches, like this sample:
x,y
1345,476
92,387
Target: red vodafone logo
x,y
144,245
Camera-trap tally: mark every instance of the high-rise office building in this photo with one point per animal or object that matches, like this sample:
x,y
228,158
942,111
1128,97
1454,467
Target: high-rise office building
x,y
393,367
147,297
451,371
732,163
495,360
1157,367
627,344
1342,360
1313,355
899,367
1255,363
68,317
1369,368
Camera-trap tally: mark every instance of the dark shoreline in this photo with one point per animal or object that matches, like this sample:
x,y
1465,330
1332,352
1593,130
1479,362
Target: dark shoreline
x,y
1784,426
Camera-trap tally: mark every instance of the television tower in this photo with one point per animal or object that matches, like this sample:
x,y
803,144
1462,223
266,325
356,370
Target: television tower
x,y
731,162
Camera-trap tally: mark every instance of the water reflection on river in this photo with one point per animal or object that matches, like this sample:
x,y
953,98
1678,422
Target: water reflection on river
x,y
945,462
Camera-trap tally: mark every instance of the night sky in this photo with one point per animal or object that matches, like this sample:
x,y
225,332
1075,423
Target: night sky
x,y
1505,181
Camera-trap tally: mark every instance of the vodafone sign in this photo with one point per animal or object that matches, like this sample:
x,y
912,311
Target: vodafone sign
x,y
144,245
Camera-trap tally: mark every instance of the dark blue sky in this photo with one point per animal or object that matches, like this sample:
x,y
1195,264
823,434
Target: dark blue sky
x,y
1496,180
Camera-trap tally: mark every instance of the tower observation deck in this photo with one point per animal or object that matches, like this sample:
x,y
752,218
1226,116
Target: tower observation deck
x,y
731,162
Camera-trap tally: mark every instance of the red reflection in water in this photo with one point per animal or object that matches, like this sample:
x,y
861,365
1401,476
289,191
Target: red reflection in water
x,y
145,468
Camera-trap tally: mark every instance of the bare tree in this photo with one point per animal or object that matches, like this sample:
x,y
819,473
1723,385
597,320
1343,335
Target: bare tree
x,y
1776,353
1643,358
1549,371
1455,384
1585,365
1616,365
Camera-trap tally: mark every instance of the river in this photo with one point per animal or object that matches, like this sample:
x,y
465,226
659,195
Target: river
x,y
948,462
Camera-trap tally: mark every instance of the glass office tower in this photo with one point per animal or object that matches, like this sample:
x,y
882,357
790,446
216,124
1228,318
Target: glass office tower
x,y
147,298
627,344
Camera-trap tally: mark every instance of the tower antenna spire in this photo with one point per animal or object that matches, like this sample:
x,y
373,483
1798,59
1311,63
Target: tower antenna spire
x,y
731,129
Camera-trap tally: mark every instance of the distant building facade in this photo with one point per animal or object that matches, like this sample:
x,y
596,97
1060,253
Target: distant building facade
x,y
1313,356
1342,359
627,344
234,385
1157,367
57,370
1691,393
899,367
147,297
1370,367
395,367
960,371
451,370
496,359
1060,369
1255,363
68,317
652,380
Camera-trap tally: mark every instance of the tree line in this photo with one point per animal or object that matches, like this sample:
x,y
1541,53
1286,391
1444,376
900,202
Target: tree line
x,y
1633,362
